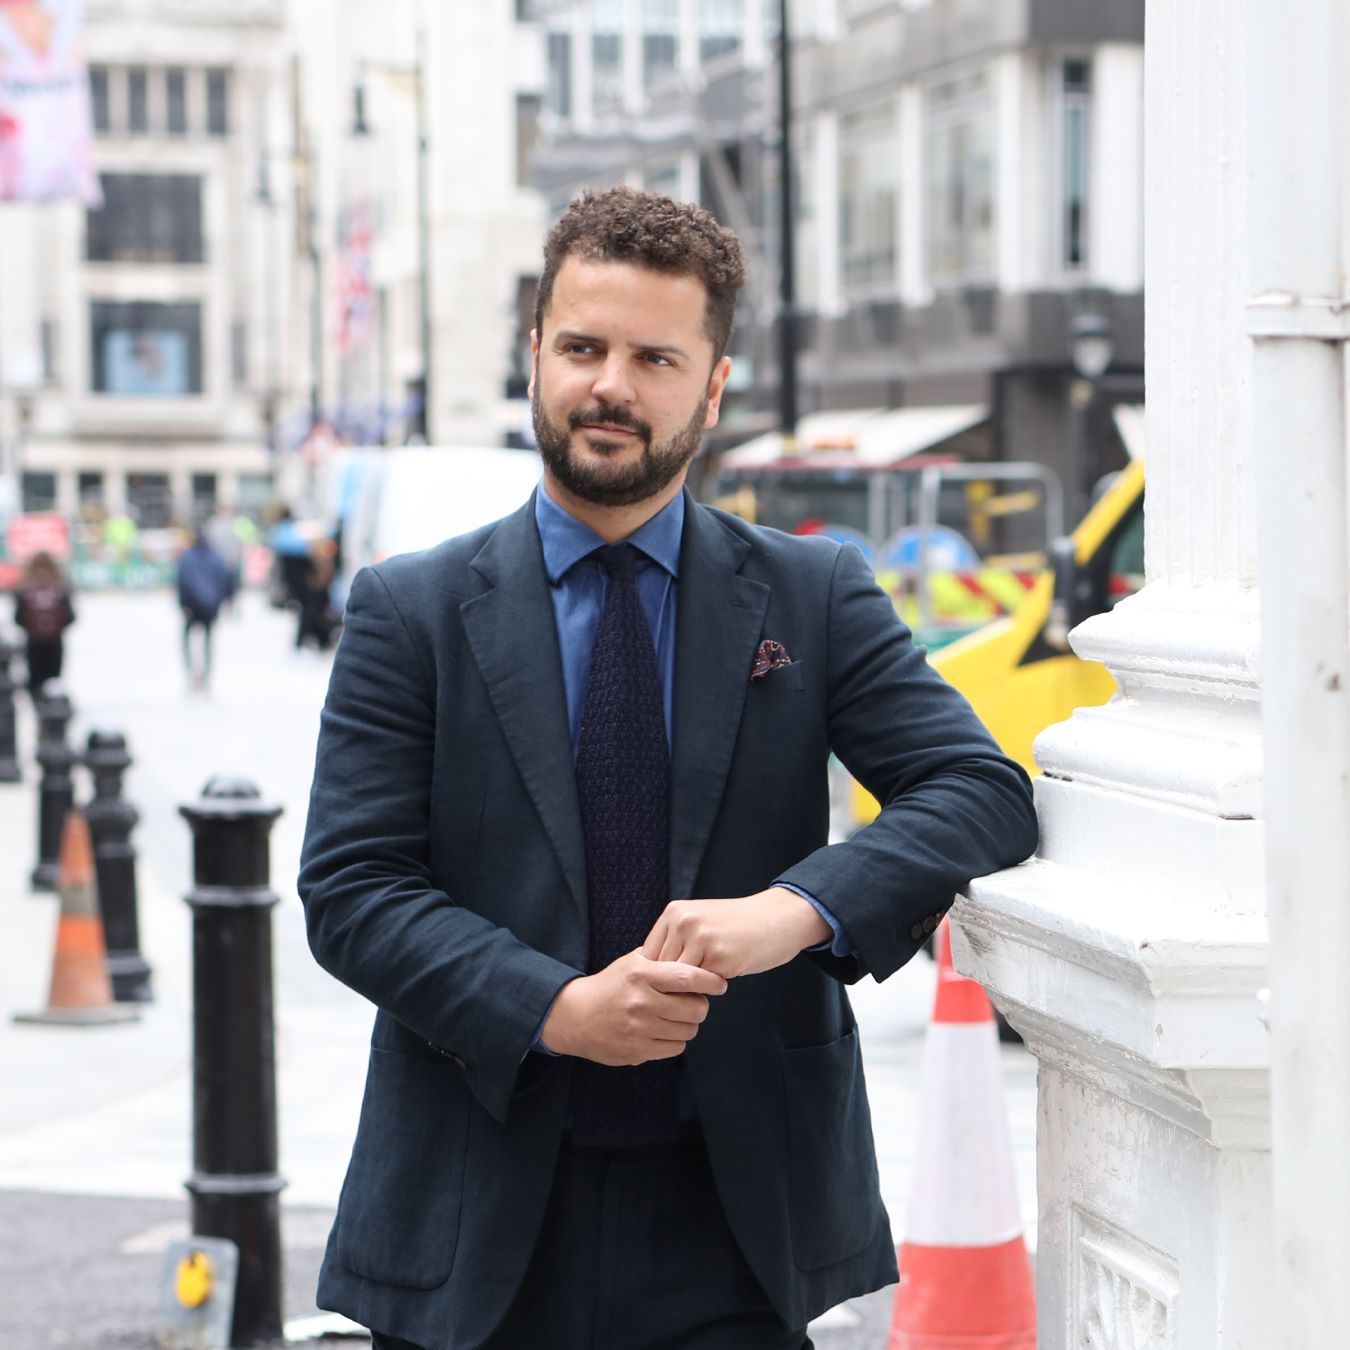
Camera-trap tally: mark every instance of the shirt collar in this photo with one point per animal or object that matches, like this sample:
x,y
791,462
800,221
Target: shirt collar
x,y
566,540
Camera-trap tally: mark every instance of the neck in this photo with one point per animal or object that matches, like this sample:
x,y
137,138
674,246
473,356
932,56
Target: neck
x,y
613,523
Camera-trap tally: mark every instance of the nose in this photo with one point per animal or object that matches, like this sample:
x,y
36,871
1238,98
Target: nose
x,y
612,384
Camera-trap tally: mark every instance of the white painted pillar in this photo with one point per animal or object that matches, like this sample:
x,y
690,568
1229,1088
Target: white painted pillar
x,y
1132,950
1297,316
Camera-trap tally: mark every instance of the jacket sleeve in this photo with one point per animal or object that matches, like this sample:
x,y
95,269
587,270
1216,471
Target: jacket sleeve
x,y
954,807
375,919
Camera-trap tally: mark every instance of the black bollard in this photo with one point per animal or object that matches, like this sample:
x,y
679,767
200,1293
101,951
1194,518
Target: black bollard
x,y
111,820
235,1185
10,772
56,789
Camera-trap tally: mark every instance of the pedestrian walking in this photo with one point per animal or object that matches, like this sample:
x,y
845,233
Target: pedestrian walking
x,y
222,533
316,620
43,610
205,582
568,832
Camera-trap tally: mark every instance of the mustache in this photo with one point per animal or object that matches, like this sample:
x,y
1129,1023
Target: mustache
x,y
616,417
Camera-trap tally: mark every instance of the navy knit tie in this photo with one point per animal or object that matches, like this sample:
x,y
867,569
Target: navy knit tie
x,y
623,786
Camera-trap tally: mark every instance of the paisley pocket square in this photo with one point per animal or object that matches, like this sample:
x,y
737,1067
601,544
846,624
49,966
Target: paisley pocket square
x,y
769,655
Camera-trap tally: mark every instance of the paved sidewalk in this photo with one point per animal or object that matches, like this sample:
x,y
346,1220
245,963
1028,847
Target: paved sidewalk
x,y
90,1117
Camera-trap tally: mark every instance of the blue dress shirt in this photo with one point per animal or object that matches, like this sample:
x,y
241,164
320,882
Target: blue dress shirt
x,y
578,586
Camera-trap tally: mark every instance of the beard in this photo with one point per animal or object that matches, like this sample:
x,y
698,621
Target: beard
x,y
606,484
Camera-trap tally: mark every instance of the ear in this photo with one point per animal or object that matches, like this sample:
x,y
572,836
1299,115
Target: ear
x,y
534,361
716,384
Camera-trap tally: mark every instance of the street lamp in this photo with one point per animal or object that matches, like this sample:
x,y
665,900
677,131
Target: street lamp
x,y
1090,348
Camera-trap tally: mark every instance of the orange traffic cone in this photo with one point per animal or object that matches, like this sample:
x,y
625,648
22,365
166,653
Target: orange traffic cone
x,y
81,992
965,1278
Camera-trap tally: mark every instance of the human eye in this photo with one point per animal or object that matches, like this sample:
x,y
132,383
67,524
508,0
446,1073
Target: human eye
x,y
657,359
576,347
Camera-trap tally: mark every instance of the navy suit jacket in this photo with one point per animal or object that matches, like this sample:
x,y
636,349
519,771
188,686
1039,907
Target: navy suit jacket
x,y
444,878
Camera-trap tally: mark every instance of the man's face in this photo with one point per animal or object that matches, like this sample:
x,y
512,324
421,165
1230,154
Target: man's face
x,y
623,385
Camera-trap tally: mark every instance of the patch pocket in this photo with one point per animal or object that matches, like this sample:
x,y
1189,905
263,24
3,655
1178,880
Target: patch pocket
x,y
398,1219
832,1165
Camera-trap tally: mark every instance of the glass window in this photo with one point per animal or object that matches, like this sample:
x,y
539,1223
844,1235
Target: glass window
x,y
660,39
959,180
50,348
217,103
147,218
89,486
150,500
606,52
175,102
98,98
1074,126
869,191
720,27
37,491
239,353
138,99
146,350
559,94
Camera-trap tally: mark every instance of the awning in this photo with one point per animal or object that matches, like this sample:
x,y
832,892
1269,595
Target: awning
x,y
867,437
1129,419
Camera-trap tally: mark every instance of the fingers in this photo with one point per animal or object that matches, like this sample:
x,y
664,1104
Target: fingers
x,y
681,977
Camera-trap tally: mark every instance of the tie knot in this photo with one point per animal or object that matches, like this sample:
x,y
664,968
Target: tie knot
x,y
617,560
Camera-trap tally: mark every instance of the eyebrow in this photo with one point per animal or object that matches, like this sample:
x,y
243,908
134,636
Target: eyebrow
x,y
662,349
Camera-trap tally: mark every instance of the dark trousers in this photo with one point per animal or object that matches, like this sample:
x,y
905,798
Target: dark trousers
x,y
636,1254
197,621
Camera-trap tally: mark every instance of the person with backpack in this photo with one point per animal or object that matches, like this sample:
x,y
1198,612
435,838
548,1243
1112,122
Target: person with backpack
x,y
205,582
43,609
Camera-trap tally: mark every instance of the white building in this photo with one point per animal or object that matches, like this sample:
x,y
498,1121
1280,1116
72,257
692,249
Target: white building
x,y
140,344
373,82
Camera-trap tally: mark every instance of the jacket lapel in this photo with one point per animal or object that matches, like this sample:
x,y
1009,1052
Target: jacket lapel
x,y
721,618
513,638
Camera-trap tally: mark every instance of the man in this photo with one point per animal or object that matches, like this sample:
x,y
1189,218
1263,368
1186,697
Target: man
x,y
568,833
205,583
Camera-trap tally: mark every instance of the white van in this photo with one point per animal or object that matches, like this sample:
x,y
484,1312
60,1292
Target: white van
x,y
400,500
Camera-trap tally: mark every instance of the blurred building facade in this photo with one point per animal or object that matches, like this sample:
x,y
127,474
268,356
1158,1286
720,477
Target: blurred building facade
x,y
140,344
417,223
307,205
968,183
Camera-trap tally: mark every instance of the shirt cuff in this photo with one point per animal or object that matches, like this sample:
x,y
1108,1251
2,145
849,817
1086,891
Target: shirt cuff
x,y
538,1046
840,946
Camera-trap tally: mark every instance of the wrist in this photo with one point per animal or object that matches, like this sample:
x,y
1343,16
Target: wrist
x,y
810,925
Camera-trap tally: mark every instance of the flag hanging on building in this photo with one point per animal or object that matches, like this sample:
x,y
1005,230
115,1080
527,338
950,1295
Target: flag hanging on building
x,y
46,141
355,298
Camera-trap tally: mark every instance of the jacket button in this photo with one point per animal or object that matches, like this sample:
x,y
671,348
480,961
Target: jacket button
x,y
929,924
917,932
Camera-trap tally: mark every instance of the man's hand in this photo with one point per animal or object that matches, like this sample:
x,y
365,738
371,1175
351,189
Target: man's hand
x,y
737,937
632,1011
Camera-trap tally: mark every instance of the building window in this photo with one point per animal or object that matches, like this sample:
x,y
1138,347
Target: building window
x,y
239,354
869,192
47,340
37,491
146,350
1073,120
138,100
559,94
98,98
147,218
203,496
660,39
606,52
720,25
150,500
527,135
175,102
959,180
217,103
90,489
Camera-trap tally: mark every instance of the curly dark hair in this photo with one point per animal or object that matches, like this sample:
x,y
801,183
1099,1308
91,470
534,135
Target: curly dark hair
x,y
622,224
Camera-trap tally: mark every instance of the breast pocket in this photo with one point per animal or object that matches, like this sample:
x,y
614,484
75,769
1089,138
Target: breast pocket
x,y
832,1166
398,1219
779,682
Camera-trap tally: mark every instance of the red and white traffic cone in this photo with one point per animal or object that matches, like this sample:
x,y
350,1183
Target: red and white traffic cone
x,y
965,1278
